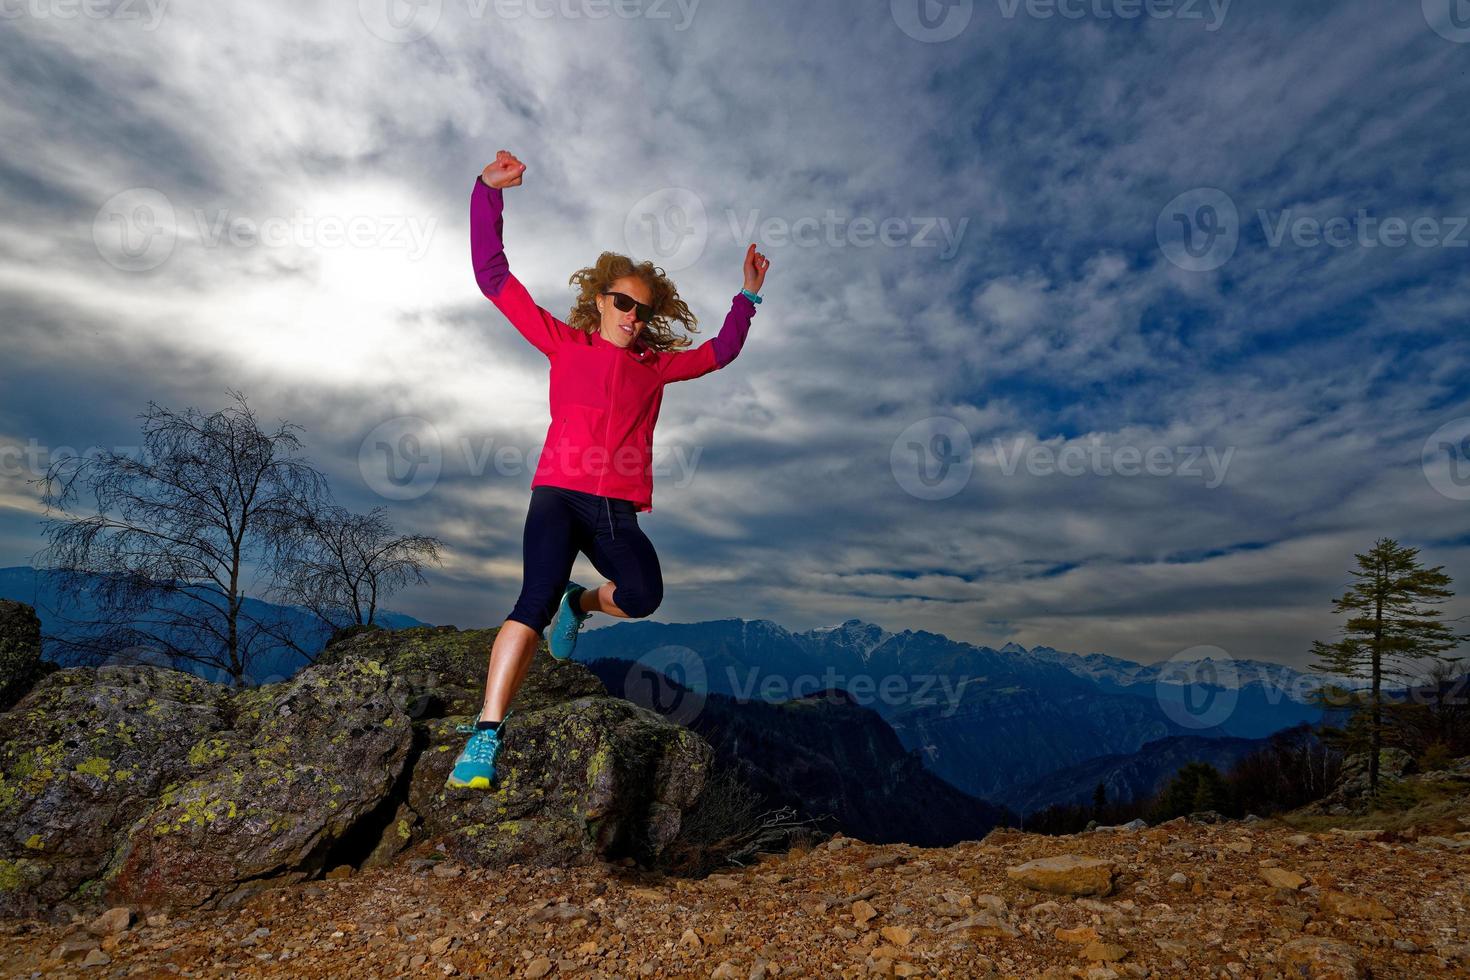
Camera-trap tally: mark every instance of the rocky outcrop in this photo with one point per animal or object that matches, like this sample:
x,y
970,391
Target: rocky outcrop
x,y
82,756
1350,794
21,665
301,764
155,788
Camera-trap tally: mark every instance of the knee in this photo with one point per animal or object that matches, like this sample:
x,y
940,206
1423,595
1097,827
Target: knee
x,y
638,603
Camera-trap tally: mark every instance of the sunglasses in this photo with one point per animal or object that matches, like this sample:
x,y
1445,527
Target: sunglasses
x,y
625,303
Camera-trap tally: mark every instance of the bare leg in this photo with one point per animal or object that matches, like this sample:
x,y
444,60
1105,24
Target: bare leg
x,y
600,600
510,659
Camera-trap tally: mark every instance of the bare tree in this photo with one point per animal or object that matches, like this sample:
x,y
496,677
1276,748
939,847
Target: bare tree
x,y
350,563
175,531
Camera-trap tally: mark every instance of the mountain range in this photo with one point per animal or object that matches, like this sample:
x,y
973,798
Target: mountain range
x,y
992,722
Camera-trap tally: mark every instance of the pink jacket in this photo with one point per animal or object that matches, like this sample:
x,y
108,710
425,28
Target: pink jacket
x,y
604,398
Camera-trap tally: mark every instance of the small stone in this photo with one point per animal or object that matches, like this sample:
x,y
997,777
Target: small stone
x,y
690,938
96,958
441,945
1324,959
1179,879
1282,878
1106,952
882,861
445,870
1352,906
862,912
897,935
1081,934
111,922
1066,874
725,971
541,966
75,946
983,924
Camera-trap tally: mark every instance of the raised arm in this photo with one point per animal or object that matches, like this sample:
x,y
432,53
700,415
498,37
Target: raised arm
x,y
492,270
715,354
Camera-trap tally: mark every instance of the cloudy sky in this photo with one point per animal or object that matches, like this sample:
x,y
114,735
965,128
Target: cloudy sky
x,y
1108,325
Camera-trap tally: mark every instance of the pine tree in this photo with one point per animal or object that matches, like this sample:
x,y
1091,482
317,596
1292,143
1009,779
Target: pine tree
x,y
1386,630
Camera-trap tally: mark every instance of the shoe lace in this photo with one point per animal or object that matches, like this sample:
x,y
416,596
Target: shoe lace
x,y
482,744
574,625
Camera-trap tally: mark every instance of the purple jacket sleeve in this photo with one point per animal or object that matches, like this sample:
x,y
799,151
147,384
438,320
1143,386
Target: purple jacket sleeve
x,y
492,272
731,338
713,354
487,237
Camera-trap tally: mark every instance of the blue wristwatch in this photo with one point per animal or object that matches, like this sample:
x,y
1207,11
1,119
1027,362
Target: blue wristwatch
x,y
751,296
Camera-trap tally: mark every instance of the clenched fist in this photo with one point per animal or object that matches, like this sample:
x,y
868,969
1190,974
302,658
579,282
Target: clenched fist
x,y
504,172
755,268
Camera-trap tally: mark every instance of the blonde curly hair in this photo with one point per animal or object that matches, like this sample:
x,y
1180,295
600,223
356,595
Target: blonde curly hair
x,y
668,309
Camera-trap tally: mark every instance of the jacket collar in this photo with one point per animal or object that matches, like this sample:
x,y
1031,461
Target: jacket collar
x,y
637,349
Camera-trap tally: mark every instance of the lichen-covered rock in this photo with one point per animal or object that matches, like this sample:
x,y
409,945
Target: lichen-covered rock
x,y
593,778
155,788
81,756
582,775
21,665
444,668
305,760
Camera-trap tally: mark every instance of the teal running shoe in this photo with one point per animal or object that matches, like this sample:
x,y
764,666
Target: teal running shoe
x,y
568,622
474,768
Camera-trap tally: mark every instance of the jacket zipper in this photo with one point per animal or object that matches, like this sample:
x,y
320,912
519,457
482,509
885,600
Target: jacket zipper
x,y
607,426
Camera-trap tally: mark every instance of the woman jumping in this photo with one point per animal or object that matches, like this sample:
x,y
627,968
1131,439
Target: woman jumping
x,y
609,364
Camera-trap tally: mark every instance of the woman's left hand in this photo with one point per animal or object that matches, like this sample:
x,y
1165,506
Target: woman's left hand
x,y
756,265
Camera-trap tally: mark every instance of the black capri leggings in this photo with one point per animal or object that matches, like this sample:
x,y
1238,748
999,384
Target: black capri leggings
x,y
562,522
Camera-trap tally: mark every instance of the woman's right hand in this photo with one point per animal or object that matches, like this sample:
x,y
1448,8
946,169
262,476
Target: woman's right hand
x,y
504,172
